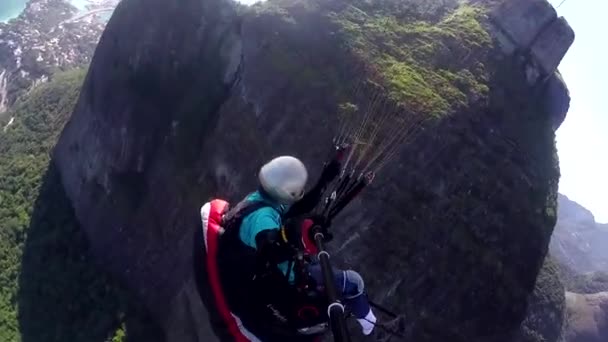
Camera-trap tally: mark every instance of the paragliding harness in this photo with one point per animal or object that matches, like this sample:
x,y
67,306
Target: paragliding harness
x,y
297,305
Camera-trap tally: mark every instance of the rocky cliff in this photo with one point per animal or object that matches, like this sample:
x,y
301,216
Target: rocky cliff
x,y
49,35
579,242
453,233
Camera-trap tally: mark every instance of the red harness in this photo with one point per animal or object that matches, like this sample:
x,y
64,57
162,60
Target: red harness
x,y
211,214
212,217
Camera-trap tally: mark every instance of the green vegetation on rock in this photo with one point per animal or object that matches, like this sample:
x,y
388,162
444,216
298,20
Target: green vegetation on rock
x,y
120,334
50,289
426,65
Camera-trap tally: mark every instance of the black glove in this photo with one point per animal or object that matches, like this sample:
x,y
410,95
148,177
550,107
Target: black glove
x,y
321,223
332,168
330,171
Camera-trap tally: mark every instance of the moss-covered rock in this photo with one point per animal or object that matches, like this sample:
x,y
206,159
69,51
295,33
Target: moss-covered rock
x,y
425,65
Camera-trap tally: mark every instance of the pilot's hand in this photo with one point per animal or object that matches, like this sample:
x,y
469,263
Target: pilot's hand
x,y
322,224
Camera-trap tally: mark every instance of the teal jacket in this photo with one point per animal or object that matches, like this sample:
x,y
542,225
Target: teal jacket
x,y
262,219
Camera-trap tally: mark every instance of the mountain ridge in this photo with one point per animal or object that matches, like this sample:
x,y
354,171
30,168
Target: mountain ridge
x,y
578,240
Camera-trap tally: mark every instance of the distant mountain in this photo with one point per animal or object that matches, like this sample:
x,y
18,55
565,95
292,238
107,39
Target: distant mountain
x,y
579,244
578,241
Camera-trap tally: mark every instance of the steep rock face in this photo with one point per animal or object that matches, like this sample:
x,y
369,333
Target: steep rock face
x,y
177,84
578,241
587,317
532,32
452,233
532,27
556,99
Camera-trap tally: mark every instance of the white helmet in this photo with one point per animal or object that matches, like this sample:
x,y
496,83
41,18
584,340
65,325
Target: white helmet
x,y
284,178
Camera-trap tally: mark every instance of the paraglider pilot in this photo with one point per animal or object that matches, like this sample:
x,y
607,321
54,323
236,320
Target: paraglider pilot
x,y
273,292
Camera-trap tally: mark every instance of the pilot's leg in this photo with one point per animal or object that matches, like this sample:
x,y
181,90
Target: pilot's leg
x,y
351,289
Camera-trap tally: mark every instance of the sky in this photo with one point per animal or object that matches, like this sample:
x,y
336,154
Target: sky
x,y
582,140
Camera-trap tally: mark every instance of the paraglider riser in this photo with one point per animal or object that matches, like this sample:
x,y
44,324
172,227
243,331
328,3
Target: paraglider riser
x,y
335,310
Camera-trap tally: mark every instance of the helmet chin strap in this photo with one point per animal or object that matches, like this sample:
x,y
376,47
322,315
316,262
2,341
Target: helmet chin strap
x,y
269,196
265,194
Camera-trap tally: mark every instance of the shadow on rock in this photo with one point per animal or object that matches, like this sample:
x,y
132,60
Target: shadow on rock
x,y
63,295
